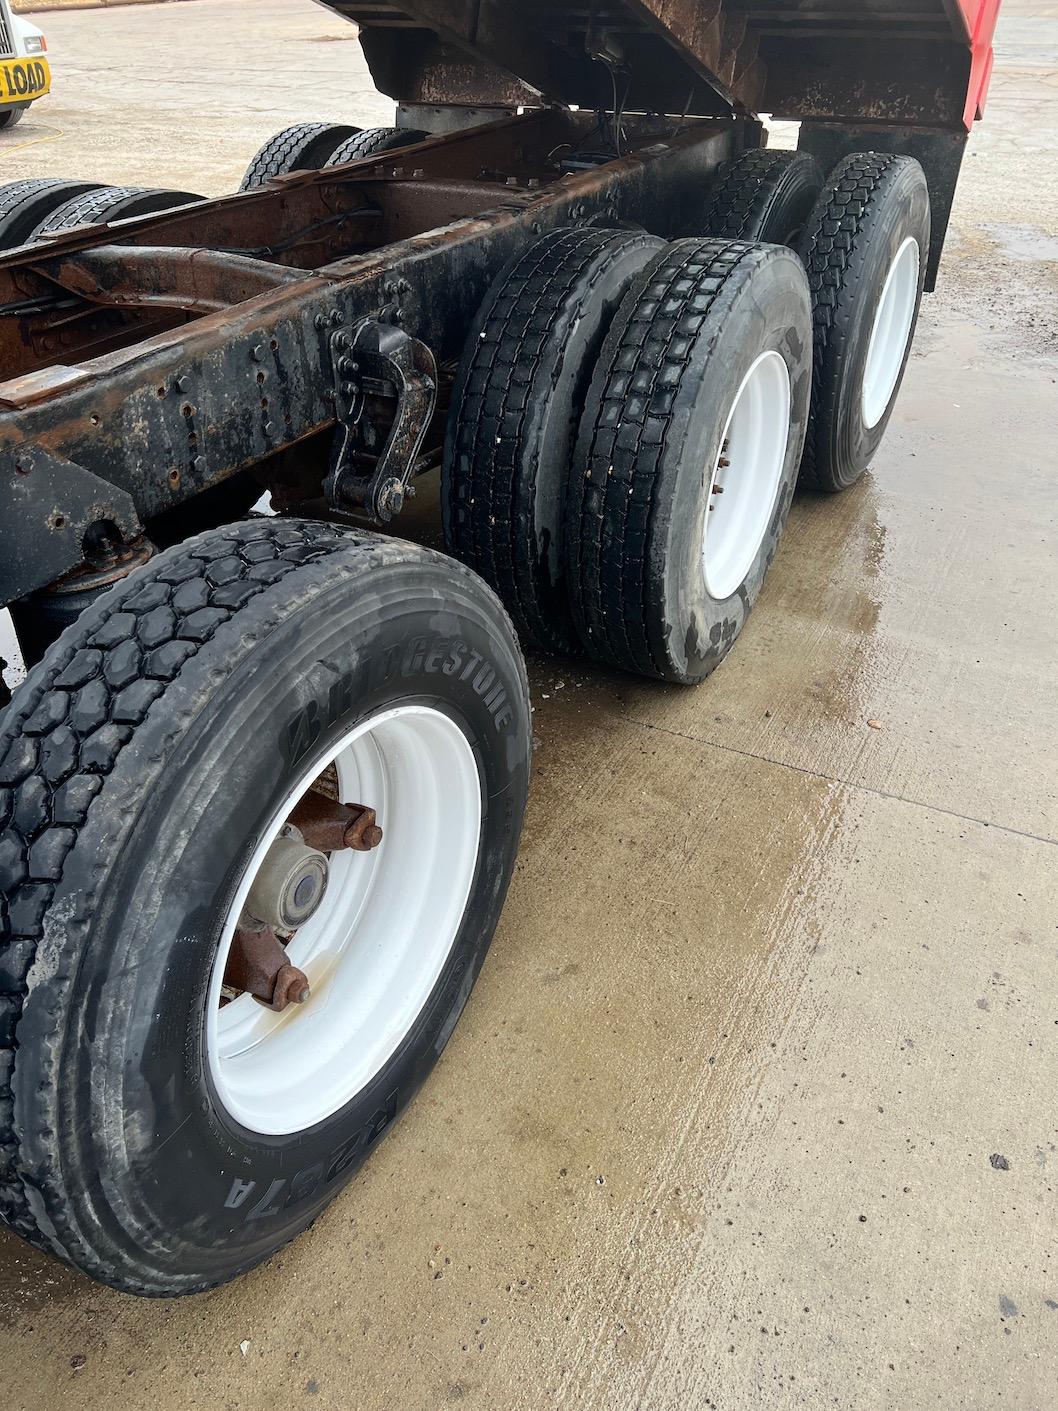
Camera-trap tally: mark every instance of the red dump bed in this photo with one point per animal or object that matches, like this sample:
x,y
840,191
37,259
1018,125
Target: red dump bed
x,y
909,62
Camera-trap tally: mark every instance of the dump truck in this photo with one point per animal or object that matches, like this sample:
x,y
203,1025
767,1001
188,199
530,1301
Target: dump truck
x,y
262,788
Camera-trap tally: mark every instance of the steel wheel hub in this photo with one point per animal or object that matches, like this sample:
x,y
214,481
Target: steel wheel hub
x,y
301,1017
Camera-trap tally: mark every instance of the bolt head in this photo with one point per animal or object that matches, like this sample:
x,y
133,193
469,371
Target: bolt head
x,y
291,987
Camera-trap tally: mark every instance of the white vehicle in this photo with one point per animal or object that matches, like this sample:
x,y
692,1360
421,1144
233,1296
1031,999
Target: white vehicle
x,y
25,74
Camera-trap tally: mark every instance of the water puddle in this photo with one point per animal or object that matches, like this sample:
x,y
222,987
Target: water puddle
x,y
1024,242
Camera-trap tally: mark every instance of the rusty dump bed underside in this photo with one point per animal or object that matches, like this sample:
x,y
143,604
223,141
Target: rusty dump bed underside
x,y
905,61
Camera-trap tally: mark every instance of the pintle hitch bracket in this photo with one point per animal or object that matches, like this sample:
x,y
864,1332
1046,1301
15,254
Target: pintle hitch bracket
x,y
369,354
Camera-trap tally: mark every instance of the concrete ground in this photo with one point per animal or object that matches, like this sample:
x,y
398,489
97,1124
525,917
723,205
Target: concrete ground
x,y
776,987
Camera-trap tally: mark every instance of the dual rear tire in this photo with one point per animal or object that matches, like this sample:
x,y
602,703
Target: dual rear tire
x,y
863,234
311,146
613,389
586,458
31,208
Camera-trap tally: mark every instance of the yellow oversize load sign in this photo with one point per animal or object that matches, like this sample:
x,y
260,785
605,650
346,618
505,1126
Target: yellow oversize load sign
x,y
23,79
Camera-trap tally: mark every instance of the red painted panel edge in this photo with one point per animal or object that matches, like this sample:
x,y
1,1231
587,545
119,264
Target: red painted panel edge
x,y
980,17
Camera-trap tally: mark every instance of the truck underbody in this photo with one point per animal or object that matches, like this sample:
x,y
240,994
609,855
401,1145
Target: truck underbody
x,y
209,340
96,332
574,280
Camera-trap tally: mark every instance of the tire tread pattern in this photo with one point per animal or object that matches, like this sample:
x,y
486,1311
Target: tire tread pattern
x,y
67,725
511,364
625,431
744,188
829,247
281,153
19,197
107,203
372,140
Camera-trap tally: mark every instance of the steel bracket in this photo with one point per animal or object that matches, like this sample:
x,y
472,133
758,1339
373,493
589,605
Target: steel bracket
x,y
375,358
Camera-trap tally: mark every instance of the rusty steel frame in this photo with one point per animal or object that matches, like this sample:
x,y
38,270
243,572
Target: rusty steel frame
x,y
864,61
164,355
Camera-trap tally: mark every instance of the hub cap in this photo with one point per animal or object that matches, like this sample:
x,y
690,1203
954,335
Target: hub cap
x,y
375,945
890,334
746,477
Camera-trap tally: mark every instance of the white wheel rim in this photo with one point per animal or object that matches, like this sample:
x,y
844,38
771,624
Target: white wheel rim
x,y
746,475
376,946
891,332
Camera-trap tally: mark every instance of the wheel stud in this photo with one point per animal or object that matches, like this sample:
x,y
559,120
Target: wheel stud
x,y
258,965
330,826
291,987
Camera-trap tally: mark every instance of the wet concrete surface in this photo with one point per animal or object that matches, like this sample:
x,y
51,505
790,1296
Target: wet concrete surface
x,y
753,1106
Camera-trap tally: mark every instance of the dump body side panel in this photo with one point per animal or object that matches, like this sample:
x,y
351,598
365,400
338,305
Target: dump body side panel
x,y
901,61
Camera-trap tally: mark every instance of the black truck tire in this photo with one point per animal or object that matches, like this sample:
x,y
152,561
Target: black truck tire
x,y
372,141
25,204
109,203
765,194
305,146
11,115
144,764
700,400
865,248
515,406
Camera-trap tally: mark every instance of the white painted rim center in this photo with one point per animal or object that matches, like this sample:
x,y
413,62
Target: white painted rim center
x,y
376,946
746,476
891,332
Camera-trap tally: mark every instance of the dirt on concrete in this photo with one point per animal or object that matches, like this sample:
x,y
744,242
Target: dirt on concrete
x,y
753,1106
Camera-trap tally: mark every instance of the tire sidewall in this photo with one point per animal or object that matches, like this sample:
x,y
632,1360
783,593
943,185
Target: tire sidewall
x,y
792,199
180,1177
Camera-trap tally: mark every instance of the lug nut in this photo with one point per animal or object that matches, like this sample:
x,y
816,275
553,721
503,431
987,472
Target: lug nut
x,y
292,987
258,966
